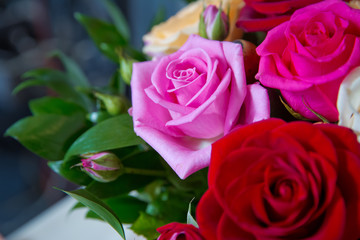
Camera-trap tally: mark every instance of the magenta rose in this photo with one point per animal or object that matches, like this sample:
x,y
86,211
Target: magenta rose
x,y
179,231
185,101
275,180
308,57
263,15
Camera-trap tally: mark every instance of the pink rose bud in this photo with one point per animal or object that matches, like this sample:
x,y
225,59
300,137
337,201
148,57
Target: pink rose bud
x,y
103,167
214,23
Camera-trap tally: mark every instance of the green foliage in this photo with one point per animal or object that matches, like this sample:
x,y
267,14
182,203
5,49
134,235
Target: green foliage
x,y
112,133
52,105
105,35
126,208
119,19
76,75
149,194
47,135
99,207
73,174
124,184
57,81
146,225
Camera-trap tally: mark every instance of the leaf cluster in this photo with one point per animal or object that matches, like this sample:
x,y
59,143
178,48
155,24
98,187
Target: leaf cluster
x,y
76,122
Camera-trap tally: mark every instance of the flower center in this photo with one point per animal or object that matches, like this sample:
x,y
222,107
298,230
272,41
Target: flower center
x,y
181,71
316,33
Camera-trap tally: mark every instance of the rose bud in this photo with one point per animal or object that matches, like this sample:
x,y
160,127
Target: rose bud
x,y
114,105
103,167
214,23
178,231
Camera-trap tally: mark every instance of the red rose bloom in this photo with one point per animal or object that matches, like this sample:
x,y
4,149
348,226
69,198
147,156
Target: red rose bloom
x,y
179,231
263,15
278,180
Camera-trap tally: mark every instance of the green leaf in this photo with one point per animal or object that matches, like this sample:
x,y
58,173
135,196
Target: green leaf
x,y
159,17
117,85
116,132
48,136
190,219
146,225
99,207
73,174
52,105
28,83
105,35
144,160
76,75
126,208
56,80
170,204
118,19
124,184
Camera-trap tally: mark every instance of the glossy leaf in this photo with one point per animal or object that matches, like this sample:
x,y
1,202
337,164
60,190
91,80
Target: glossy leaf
x,y
118,18
146,225
105,35
126,208
48,136
116,132
56,80
124,184
52,105
76,75
144,159
99,207
170,204
71,173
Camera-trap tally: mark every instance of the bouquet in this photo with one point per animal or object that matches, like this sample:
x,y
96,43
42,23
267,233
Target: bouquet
x,y
237,120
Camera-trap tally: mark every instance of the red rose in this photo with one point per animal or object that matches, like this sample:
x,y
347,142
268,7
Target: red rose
x,y
179,231
277,180
263,15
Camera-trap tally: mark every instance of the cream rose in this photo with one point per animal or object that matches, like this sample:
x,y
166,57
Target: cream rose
x,y
348,102
170,35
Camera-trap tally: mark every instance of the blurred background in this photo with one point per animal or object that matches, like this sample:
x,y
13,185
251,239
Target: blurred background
x,y
29,31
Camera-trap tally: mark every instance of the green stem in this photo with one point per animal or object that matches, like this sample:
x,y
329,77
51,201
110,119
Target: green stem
x,y
146,172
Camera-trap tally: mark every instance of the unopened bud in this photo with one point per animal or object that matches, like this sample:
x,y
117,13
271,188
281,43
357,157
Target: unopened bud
x,y
214,23
114,104
103,167
126,65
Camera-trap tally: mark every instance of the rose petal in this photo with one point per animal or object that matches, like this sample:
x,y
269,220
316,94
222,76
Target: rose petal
x,y
184,155
208,208
256,106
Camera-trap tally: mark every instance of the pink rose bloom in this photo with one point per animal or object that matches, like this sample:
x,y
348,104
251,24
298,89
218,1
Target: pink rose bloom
x,y
308,56
179,231
263,15
185,101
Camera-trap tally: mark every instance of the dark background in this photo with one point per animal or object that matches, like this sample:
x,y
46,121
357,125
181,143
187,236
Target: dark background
x,y
29,31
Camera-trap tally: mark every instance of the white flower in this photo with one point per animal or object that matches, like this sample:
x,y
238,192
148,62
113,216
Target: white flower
x,y
348,102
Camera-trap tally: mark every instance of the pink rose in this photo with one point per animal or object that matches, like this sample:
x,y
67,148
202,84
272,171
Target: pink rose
x,y
263,15
308,57
185,101
179,231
